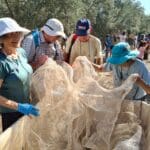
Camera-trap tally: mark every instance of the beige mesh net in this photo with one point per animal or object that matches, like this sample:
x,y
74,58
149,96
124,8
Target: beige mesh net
x,y
77,113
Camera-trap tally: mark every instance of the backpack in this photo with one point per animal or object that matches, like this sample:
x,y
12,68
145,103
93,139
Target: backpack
x,y
35,34
67,58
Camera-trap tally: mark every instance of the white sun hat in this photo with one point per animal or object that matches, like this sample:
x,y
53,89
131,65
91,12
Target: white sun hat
x,y
9,25
54,27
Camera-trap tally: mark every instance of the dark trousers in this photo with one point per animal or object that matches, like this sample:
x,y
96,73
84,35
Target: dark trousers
x,y
9,118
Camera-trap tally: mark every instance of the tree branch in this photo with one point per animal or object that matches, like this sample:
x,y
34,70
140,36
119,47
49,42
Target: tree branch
x,y
9,9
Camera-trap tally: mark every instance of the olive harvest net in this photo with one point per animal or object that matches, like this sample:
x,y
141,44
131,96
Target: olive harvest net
x,y
77,113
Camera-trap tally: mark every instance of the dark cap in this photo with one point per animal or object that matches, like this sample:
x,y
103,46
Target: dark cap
x,y
83,27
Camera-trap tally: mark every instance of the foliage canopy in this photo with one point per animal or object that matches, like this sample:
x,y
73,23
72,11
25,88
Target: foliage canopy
x,y
107,16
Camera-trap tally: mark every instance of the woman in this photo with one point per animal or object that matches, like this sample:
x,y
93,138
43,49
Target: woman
x,y
123,63
14,74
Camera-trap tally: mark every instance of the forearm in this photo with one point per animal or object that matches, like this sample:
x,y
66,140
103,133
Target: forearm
x,y
99,60
98,68
8,103
142,84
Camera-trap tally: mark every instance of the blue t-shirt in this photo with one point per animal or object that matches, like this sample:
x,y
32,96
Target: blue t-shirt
x,y
120,75
15,74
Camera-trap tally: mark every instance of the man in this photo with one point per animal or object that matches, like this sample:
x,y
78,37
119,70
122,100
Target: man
x,y
43,44
123,63
85,44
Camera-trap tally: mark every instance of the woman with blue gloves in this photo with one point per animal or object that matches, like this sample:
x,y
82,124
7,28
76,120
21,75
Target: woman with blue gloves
x,y
15,74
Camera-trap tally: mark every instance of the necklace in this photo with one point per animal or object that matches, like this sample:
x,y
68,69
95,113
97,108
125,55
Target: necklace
x,y
89,49
11,56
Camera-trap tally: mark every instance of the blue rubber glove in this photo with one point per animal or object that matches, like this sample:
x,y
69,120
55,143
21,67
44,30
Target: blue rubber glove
x,y
28,109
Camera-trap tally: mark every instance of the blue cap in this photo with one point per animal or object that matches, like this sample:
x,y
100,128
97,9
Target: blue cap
x,y
82,27
121,53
